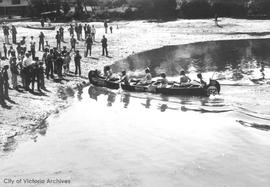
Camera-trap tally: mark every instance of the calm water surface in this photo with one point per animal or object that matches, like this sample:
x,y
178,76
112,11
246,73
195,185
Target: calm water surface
x,y
115,138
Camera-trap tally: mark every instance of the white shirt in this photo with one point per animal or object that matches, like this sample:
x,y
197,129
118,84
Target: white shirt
x,y
27,61
32,43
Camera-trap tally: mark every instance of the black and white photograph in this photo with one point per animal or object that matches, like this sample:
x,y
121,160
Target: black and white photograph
x,y
134,93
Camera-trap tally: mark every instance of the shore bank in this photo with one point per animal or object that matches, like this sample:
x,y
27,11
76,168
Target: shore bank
x,y
25,116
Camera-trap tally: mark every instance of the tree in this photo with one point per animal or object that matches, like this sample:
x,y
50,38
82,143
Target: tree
x,y
164,8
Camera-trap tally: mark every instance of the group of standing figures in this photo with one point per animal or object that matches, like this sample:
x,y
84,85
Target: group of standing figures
x,y
54,63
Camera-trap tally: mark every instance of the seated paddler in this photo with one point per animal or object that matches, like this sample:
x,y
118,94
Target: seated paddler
x,y
184,79
108,74
147,79
124,78
163,81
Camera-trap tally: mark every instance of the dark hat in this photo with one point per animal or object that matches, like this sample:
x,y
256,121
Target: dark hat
x,y
163,75
182,72
199,75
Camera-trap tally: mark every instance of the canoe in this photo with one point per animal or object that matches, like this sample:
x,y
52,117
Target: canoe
x,y
6,20
41,28
172,89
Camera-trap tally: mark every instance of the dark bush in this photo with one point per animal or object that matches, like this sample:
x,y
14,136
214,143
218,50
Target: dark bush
x,y
259,9
229,9
164,9
196,9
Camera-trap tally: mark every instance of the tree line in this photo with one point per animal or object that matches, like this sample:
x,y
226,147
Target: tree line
x,y
163,9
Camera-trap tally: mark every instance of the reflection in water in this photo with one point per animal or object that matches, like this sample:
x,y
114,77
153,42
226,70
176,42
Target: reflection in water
x,y
147,104
111,99
163,107
203,105
125,99
163,103
255,125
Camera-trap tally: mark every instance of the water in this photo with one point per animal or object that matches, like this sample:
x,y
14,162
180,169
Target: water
x,y
116,138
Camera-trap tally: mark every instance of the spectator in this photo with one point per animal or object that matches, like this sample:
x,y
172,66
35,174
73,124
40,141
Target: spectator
x,y
14,34
89,43
33,47
77,60
5,81
5,50
73,43
61,31
106,26
58,40
14,72
41,41
6,33
111,29
104,46
93,32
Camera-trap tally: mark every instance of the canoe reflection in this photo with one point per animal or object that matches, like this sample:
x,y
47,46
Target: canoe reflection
x,y
160,102
125,98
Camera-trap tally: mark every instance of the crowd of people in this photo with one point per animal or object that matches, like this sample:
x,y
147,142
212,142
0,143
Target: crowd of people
x,y
23,62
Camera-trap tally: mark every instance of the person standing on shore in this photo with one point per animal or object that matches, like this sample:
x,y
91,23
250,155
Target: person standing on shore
x,y
104,46
106,26
89,43
80,31
64,51
14,34
67,60
41,41
49,65
71,30
77,60
58,40
11,52
5,81
61,31
59,62
2,100
93,32
77,31
73,43
27,62
47,46
6,33
23,45
111,29
41,75
55,56
5,50
33,47
88,29
85,31
34,75
14,72
45,58
19,49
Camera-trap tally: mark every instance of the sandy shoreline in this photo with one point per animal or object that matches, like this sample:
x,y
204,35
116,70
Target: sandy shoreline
x,y
26,115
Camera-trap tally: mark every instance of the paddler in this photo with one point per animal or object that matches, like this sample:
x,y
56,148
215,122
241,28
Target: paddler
x,y
163,81
184,80
201,81
124,78
147,78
